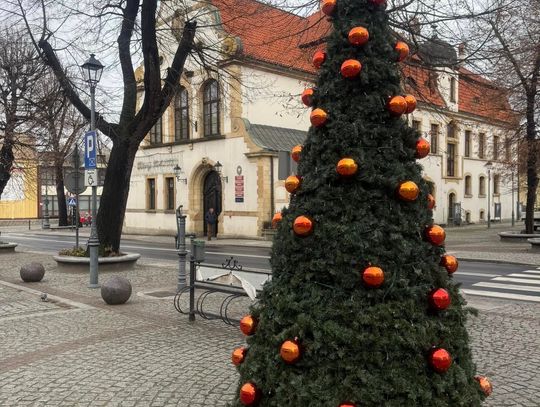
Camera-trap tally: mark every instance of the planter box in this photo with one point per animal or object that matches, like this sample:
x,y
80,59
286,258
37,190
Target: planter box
x,y
516,237
7,247
82,264
535,244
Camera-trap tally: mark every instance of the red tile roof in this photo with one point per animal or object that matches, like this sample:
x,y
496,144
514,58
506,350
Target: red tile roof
x,y
280,38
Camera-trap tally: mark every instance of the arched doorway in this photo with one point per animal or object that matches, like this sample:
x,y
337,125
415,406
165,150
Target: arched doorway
x,y
451,202
211,196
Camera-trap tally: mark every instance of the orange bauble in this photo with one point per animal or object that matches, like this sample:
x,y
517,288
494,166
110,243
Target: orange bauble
x,y
328,7
303,226
307,97
276,219
411,103
430,202
485,384
439,299
408,191
450,263
347,405
358,36
422,148
318,117
290,352
350,68
440,360
248,325
402,49
249,394
397,105
346,167
435,235
292,183
373,277
295,152
318,59
238,356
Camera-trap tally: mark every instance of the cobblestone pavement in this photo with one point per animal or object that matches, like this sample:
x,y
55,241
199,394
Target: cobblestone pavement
x,y
77,351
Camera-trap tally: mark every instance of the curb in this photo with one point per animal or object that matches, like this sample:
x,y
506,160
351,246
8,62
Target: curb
x,y
521,263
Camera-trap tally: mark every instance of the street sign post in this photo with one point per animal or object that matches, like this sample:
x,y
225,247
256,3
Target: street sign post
x,y
72,201
90,150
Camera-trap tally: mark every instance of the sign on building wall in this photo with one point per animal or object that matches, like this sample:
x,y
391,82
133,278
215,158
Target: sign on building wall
x,y
239,188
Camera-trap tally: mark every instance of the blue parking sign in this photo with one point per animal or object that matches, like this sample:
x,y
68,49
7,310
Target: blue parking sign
x,y
90,147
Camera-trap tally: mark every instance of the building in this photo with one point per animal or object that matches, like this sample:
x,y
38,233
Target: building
x,y
226,129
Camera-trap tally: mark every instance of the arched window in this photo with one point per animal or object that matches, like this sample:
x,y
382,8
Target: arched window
x,y
156,132
482,186
211,108
468,188
496,184
181,115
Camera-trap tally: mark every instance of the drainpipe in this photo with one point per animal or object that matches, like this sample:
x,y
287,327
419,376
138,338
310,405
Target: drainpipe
x,y
272,208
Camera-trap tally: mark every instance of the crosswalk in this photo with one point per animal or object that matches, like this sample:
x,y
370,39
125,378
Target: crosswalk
x,y
524,286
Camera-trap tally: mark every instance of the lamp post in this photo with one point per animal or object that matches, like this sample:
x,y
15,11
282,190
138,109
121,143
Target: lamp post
x,y
218,167
513,204
489,166
92,70
46,217
177,172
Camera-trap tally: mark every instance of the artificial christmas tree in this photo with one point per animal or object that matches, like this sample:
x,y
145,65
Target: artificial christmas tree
x,y
361,309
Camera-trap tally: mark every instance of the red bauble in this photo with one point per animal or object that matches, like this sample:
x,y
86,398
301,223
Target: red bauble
x,y
430,202
318,117
238,356
350,68
402,49
485,384
295,152
318,59
307,97
450,263
440,360
248,325
328,7
422,148
439,299
276,219
249,394
435,235
397,105
358,36
290,352
411,103
303,226
373,277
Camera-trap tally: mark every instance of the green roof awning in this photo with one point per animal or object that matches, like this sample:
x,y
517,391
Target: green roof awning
x,y
274,138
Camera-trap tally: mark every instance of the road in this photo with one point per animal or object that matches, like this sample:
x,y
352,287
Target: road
x,y
505,281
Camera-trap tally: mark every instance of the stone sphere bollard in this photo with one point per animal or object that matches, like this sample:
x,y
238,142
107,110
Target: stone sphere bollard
x,y
32,273
116,290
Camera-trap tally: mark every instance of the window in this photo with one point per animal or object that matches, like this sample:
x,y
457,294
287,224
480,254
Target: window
x,y
181,116
451,130
481,215
507,149
451,160
434,138
169,190
481,145
467,143
211,108
495,147
416,124
452,89
151,194
496,184
482,186
156,132
468,186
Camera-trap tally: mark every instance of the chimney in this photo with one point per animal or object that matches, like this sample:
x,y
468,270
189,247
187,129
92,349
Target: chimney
x,y
461,53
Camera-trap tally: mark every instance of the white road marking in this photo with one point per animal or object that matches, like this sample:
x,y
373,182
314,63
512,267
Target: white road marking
x,y
517,280
497,294
532,271
519,275
508,286
472,273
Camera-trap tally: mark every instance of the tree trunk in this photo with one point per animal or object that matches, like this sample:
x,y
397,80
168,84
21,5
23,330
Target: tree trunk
x,y
60,194
532,173
113,201
6,164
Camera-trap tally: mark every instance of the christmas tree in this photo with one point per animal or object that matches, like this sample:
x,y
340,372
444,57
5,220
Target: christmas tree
x,y
362,309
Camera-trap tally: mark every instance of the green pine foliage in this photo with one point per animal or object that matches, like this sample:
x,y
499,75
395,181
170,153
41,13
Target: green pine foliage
x,y
362,345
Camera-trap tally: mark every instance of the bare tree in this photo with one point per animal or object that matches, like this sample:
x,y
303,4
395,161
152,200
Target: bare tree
x,y
20,68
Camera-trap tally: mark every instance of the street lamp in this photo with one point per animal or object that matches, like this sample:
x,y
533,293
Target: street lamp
x,y
218,167
489,166
46,217
177,171
92,70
